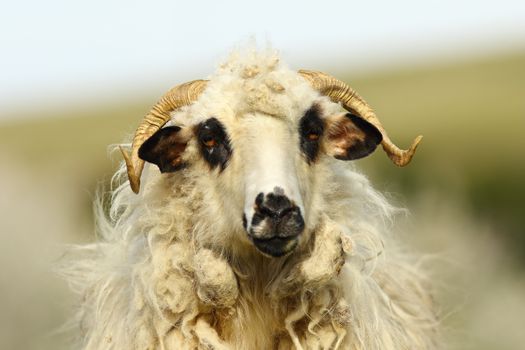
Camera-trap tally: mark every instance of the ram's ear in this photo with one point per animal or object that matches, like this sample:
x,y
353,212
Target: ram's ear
x,y
351,137
165,148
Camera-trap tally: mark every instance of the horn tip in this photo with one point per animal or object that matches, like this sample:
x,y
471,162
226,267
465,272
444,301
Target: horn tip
x,y
405,157
416,142
135,186
134,181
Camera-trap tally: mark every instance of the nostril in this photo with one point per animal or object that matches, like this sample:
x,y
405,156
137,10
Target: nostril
x,y
268,212
259,199
275,213
286,211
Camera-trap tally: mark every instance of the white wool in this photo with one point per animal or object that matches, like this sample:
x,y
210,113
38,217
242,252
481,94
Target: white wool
x,y
173,268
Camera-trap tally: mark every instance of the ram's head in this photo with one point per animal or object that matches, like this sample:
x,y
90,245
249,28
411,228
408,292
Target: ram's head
x,y
264,139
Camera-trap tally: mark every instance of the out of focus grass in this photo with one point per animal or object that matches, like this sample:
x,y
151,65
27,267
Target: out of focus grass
x,y
465,188
472,117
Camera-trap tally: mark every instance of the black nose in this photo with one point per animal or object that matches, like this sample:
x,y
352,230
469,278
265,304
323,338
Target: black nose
x,y
275,206
276,224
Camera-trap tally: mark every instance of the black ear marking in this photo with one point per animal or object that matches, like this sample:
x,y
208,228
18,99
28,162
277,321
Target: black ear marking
x,y
360,138
164,149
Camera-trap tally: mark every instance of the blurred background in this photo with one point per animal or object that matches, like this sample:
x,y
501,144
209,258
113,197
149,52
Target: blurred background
x,y
78,76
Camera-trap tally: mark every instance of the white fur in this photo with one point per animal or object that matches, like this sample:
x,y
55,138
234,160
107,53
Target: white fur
x,y
174,269
270,165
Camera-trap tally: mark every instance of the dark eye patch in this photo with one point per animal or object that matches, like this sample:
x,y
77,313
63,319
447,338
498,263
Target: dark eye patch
x,y
214,143
311,129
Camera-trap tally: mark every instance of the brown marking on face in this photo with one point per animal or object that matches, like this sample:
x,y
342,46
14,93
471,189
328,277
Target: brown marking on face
x,y
350,137
342,135
165,149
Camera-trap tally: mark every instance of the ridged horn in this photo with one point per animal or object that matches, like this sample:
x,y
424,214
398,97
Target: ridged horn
x,y
181,95
339,91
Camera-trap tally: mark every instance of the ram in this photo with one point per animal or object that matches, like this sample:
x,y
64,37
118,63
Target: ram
x,y
245,226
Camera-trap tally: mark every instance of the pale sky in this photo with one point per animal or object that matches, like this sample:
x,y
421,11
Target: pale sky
x,y
55,51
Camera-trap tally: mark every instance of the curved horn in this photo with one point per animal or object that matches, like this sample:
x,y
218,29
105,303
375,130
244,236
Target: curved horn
x,y
159,115
338,91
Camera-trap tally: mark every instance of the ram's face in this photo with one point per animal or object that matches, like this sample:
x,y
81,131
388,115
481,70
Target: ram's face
x,y
265,168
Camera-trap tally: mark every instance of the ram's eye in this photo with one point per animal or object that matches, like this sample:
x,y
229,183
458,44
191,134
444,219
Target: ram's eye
x,y
313,136
214,142
209,141
311,129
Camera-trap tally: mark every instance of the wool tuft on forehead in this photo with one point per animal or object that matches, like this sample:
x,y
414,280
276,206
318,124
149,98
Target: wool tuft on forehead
x,y
257,81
